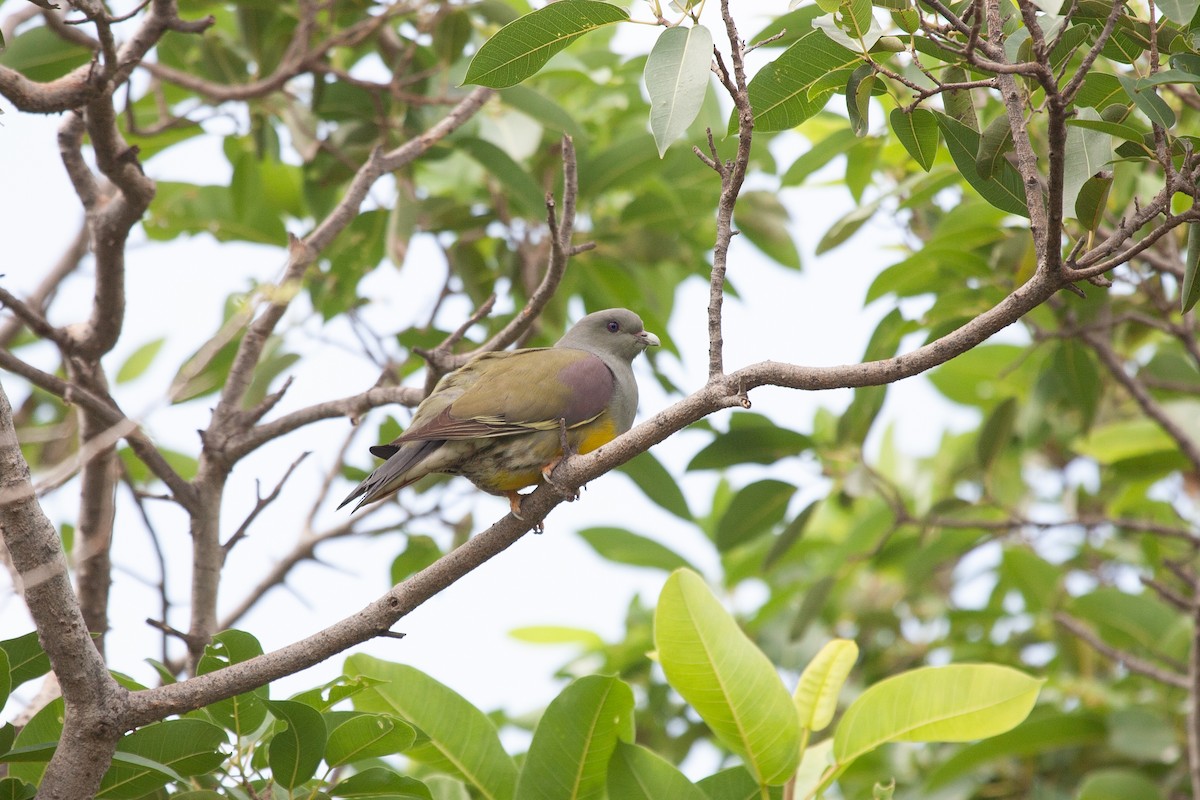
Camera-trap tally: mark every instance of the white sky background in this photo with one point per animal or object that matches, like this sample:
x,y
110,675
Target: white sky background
x,y
460,637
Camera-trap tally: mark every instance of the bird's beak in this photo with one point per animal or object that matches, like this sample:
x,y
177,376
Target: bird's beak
x,y
648,339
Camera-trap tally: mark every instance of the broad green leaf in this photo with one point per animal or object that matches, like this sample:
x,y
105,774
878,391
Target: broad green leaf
x,y
823,150
367,736
37,740
568,757
558,634
295,752
858,96
1118,784
1129,133
625,547
994,142
42,55
918,132
381,782
1092,201
150,757
754,511
735,783
636,773
766,223
543,109
1039,734
1143,734
779,92
1099,91
1190,291
847,225
462,739
241,713
955,703
1135,440
657,484
1146,98
814,763
519,185
676,74
1004,189
15,789
26,659
996,434
5,681
960,103
730,683
139,360
821,682
1089,153
443,787
751,439
1135,621
523,46
971,379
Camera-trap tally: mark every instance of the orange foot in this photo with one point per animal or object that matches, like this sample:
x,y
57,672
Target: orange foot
x,y
548,475
514,503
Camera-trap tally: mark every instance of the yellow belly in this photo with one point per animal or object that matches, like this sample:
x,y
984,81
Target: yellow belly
x,y
516,462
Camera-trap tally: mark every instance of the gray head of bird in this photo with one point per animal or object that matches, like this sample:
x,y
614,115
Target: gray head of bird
x,y
618,331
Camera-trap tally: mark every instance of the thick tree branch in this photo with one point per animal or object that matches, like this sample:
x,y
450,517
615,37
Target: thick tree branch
x,y
94,701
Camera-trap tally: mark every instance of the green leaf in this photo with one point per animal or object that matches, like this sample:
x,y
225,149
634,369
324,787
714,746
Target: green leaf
x,y
15,789
139,360
35,744
766,223
955,703
751,439
918,132
1146,98
858,96
367,736
676,75
558,634
779,92
823,150
994,142
625,547
1003,190
1119,129
730,683
156,754
657,484
636,773
1117,784
26,659
523,46
5,681
1038,734
847,225
821,682
516,180
735,783
241,713
42,55
1136,621
461,739
568,757
381,782
754,511
1089,153
1092,201
996,434
296,751
1190,291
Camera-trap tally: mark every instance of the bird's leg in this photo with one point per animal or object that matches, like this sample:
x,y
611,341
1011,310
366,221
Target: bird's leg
x,y
514,503
548,470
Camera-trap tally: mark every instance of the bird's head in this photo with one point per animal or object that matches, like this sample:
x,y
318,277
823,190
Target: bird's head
x,y
616,331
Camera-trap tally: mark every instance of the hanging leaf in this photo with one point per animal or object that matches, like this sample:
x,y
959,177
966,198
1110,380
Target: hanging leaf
x,y
779,93
523,46
994,142
1148,102
858,97
918,132
1089,153
1092,200
1190,291
676,77
1004,190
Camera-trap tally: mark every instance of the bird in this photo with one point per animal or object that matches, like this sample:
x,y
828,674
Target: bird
x,y
502,419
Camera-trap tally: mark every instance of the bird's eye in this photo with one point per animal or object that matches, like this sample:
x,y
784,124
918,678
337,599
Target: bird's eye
x,y
613,327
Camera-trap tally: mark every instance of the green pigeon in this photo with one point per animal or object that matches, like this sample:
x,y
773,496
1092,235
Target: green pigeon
x,y
498,420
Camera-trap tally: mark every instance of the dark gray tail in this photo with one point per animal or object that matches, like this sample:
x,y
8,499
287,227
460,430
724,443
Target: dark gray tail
x,y
395,473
